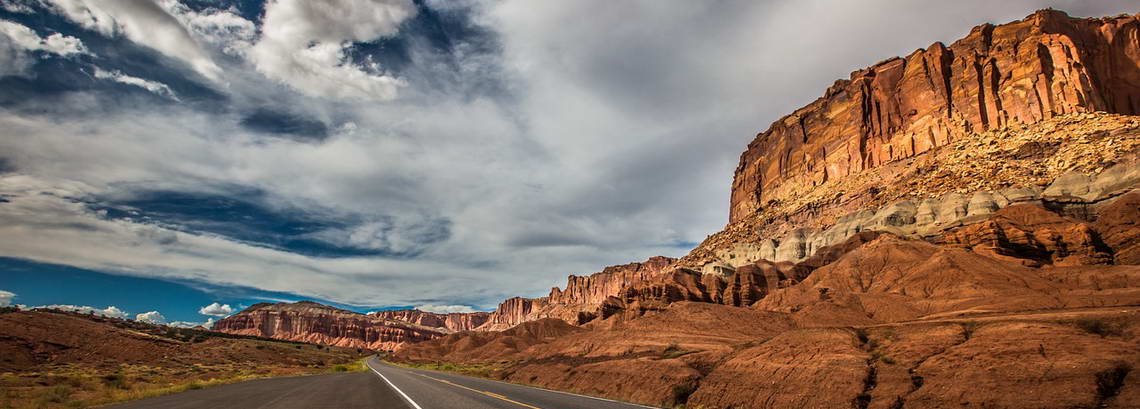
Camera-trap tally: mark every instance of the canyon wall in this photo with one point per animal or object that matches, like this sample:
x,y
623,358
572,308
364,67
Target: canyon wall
x,y
307,321
1018,73
580,300
452,321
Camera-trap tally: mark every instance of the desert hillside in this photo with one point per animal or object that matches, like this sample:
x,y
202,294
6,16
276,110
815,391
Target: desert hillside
x,y
55,359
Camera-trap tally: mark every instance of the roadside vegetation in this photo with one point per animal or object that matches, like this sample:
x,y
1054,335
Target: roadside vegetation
x,y
136,360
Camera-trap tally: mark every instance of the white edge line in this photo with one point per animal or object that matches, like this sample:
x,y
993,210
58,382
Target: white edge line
x,y
385,378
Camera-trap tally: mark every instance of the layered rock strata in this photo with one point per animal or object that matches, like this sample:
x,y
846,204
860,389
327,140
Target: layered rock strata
x,y
454,322
1023,72
307,321
580,300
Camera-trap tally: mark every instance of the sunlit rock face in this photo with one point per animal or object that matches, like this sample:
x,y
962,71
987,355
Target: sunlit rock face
x,y
321,324
1019,73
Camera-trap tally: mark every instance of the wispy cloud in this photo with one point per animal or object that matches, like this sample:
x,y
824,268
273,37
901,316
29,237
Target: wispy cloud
x,y
152,86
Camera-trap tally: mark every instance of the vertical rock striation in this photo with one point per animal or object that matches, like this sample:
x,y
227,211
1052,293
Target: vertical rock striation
x,y
307,321
455,321
1046,65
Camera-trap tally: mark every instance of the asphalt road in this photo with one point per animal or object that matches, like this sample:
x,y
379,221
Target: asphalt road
x,y
383,386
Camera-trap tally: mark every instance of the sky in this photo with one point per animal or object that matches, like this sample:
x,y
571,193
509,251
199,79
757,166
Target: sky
x,y
178,160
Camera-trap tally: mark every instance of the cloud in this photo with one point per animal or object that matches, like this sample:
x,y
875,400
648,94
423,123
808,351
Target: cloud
x,y
217,310
221,28
510,159
110,311
6,298
153,317
157,88
304,44
209,323
17,40
143,22
445,309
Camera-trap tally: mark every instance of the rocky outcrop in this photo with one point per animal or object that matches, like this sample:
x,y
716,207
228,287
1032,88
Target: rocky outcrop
x,y
929,218
453,322
997,76
582,298
1118,225
307,321
1034,236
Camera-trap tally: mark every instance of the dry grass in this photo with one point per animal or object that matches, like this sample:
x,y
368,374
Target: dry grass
x,y
73,386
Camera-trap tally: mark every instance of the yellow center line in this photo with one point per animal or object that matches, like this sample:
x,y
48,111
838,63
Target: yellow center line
x,y
491,394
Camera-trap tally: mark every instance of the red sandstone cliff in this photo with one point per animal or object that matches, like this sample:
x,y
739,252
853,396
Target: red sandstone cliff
x,y
1022,72
452,321
307,321
581,299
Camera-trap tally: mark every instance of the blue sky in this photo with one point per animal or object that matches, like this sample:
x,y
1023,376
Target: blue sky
x,y
171,154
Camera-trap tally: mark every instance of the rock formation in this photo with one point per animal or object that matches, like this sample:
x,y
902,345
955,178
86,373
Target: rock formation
x,y
581,299
454,322
307,321
1019,73
959,227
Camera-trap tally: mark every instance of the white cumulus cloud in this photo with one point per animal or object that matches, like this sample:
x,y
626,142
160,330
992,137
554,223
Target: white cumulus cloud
x,y
6,298
304,43
153,317
152,86
217,310
110,311
444,309
189,324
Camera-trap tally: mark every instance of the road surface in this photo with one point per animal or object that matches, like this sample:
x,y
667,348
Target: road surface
x,y
382,386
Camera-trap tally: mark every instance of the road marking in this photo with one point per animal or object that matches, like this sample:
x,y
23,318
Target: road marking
x,y
385,378
491,394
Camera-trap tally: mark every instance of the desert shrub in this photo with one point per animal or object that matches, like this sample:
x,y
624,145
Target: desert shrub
x,y
115,381
681,392
887,360
1109,382
969,327
340,368
194,385
56,394
1099,326
862,335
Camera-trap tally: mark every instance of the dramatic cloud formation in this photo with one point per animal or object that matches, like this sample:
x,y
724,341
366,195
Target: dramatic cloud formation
x,y
144,22
153,317
391,153
6,298
217,310
304,44
444,309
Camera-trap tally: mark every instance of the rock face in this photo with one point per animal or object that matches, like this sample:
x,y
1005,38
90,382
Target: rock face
x,y
582,298
307,321
454,322
997,76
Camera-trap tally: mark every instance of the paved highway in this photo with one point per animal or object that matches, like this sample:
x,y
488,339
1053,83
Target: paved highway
x,y
382,386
